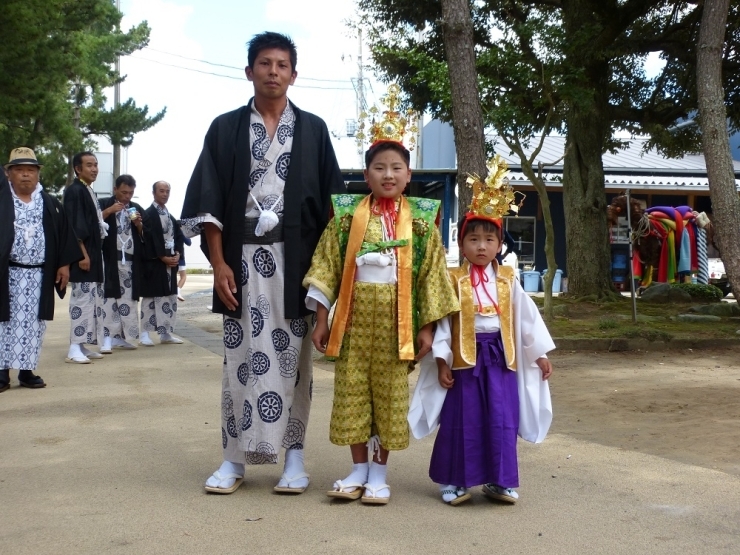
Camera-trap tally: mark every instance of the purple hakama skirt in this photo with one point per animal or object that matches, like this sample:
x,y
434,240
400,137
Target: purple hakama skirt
x,y
479,422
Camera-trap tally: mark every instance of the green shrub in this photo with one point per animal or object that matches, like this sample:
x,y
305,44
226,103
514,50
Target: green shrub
x,y
606,323
700,292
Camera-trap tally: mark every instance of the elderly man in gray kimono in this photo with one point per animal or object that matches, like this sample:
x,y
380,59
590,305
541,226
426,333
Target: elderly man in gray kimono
x,y
37,245
260,197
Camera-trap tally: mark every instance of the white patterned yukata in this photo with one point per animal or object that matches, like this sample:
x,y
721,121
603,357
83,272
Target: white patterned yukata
x,y
121,314
267,373
86,299
22,335
160,313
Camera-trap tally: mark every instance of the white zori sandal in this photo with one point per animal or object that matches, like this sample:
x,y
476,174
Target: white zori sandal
x,y
340,490
214,482
283,485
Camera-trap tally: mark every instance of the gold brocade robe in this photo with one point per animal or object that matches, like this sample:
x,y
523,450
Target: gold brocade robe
x,y
435,297
463,323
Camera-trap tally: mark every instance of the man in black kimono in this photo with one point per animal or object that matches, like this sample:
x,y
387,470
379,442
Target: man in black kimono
x,y
260,197
123,251
86,276
159,287
37,245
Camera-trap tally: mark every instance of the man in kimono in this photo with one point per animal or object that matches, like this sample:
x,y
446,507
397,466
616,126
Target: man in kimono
x,y
159,288
122,255
260,196
86,276
37,245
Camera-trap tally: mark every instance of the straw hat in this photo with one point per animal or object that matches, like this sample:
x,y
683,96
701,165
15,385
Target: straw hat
x,y
22,156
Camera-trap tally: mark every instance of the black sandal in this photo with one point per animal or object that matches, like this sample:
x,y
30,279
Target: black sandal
x,y
28,379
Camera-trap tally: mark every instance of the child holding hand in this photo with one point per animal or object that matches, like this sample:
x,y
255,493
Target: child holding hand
x,y
381,258
489,383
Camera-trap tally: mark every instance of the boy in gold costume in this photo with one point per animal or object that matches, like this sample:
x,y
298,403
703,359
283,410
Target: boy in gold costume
x,y
381,259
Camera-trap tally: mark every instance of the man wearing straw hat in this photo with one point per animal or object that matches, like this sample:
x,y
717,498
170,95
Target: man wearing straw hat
x,y
37,245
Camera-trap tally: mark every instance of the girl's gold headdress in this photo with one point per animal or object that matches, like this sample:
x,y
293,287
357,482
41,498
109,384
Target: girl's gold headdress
x,y
388,124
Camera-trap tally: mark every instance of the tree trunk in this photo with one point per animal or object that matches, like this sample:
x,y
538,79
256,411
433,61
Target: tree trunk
x,y
467,115
584,197
715,139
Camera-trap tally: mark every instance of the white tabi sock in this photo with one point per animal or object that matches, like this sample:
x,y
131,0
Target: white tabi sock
x,y
107,344
227,468
293,468
75,351
357,476
449,492
376,478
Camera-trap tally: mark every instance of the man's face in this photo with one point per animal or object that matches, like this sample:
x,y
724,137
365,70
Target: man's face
x,y
161,193
88,169
271,74
124,193
24,178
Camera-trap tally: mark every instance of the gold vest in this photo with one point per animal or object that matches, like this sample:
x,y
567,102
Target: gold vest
x,y
463,323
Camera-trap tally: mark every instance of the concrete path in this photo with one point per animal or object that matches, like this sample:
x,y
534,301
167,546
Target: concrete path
x,y
111,458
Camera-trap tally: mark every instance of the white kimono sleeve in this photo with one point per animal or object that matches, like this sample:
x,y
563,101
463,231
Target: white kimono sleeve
x,y
532,341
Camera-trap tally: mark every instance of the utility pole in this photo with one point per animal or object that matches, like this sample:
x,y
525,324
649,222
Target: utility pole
x,y
361,103
116,103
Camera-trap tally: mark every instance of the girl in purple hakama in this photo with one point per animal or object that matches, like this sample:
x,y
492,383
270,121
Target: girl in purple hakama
x,y
479,354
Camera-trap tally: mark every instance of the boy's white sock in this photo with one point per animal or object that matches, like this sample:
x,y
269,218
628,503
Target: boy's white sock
x,y
376,478
357,476
449,492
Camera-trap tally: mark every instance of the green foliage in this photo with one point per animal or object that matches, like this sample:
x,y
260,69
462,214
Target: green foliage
x,y
700,292
531,53
57,58
607,323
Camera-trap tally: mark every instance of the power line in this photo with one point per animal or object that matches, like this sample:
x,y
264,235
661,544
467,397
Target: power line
x,y
234,67
233,77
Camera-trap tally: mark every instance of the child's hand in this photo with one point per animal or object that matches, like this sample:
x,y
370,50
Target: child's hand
x,y
424,340
545,366
444,374
320,335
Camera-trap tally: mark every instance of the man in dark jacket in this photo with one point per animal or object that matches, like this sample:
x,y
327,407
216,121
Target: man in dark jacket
x,y
260,196
37,245
86,276
159,288
123,251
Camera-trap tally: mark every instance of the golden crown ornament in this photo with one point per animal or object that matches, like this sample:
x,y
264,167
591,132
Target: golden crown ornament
x,y
494,197
389,124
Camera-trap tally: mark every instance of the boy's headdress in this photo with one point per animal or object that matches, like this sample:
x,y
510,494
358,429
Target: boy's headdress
x,y
493,197
388,124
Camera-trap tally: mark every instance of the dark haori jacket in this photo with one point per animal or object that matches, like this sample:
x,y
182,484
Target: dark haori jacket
x,y
112,253
158,280
82,212
220,186
61,249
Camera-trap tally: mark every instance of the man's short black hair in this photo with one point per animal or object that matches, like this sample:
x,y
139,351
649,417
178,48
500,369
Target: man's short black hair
x,y
125,179
77,159
382,146
268,40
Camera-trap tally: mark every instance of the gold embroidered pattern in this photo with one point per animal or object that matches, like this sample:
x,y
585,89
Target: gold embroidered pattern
x,y
420,227
345,223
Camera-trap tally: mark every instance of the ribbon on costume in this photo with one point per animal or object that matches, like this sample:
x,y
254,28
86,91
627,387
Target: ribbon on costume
x,y
381,245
